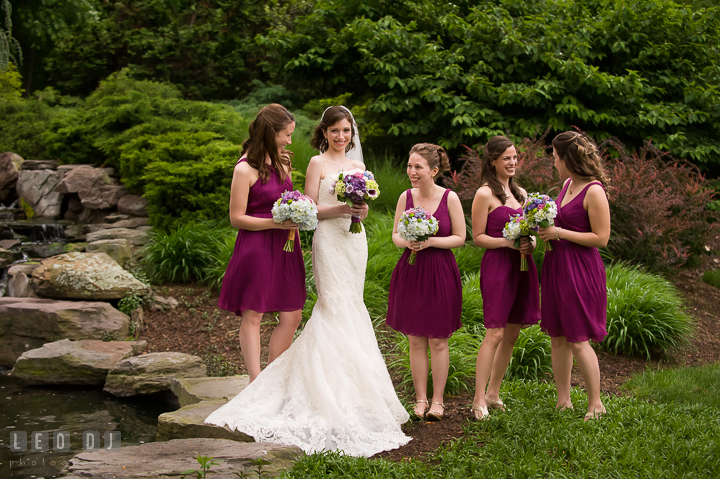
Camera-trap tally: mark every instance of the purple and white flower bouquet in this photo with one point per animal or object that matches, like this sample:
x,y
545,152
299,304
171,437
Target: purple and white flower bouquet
x,y
299,208
416,224
540,212
517,228
355,186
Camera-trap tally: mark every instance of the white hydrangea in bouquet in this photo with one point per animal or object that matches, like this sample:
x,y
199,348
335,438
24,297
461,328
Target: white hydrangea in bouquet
x,y
416,224
355,186
298,208
517,228
540,212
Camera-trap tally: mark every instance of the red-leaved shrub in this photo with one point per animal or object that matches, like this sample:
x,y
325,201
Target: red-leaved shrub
x,y
658,205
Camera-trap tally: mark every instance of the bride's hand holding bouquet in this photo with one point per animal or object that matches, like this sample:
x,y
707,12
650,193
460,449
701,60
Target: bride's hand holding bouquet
x,y
353,187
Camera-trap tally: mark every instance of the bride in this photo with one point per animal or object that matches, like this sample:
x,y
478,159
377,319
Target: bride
x,y
331,389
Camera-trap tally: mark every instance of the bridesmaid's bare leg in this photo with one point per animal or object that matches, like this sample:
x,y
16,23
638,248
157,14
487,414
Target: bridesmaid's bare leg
x,y
590,371
502,360
562,361
419,366
440,360
284,333
484,364
250,341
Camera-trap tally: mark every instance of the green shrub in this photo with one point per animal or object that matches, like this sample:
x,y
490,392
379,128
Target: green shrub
x,y
184,253
645,313
130,303
468,258
214,273
531,355
712,277
392,179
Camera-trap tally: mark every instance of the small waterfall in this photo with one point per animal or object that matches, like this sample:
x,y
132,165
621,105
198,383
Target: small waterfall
x,y
3,283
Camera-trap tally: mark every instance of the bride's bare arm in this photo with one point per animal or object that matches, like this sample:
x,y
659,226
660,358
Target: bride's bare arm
x,y
312,189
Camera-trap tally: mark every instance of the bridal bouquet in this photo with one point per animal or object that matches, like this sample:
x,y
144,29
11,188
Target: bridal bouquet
x,y
540,211
416,224
515,229
355,186
299,208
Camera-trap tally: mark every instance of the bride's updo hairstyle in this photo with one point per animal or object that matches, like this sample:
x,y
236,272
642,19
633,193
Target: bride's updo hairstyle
x,y
435,155
581,156
493,150
331,116
261,142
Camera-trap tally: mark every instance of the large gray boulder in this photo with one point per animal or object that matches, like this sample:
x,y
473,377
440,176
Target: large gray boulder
x,y
28,323
135,237
189,422
117,249
195,390
84,362
152,373
82,178
37,189
102,198
169,459
84,276
10,164
130,223
133,205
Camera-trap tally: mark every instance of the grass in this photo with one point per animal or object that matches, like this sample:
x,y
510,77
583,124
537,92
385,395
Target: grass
x,y
712,277
682,386
645,314
635,439
531,355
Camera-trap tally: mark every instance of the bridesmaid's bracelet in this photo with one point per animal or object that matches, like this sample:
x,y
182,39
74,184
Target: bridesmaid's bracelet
x,y
557,234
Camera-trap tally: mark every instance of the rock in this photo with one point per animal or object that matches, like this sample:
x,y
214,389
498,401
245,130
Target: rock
x,y
103,197
10,164
84,362
161,303
26,268
135,237
36,189
151,373
195,390
130,223
74,232
137,317
84,276
28,323
82,178
133,205
34,165
7,258
42,250
9,243
90,215
20,281
116,217
75,247
117,249
169,459
189,422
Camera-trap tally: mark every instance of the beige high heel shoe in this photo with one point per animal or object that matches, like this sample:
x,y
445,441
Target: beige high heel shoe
x,y
435,416
484,413
493,404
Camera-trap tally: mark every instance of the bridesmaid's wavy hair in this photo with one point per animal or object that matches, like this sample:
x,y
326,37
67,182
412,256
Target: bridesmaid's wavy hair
x,y
331,116
261,142
435,155
493,150
581,156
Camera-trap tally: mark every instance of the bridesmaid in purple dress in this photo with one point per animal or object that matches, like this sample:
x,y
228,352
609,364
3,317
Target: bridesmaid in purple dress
x,y
574,296
261,277
426,298
510,296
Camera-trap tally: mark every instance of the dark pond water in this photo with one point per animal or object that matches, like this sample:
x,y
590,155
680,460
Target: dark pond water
x,y
73,410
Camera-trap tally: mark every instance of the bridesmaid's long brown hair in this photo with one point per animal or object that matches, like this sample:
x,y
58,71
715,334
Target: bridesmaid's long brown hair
x,y
261,142
494,148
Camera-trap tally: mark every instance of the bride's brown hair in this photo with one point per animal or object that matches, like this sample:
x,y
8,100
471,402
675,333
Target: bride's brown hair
x,y
261,142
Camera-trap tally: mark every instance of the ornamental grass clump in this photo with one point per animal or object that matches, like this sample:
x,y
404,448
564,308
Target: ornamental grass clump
x,y
531,355
645,315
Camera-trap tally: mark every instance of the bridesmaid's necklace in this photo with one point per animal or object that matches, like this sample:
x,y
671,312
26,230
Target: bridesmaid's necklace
x,y
428,200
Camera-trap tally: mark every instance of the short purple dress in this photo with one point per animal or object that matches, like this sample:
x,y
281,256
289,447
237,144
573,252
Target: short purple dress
x,y
574,293
426,298
261,276
509,295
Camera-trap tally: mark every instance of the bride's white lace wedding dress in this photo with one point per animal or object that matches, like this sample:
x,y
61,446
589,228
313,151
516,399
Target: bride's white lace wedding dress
x,y
331,389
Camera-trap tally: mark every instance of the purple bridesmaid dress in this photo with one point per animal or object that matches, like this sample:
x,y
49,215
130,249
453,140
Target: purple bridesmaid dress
x,y
574,293
509,295
426,298
261,276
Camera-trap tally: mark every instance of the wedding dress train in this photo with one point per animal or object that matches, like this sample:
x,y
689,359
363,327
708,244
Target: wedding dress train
x,y
331,389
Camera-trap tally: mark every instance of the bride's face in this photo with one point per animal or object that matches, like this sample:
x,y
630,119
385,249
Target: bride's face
x,y
338,135
419,171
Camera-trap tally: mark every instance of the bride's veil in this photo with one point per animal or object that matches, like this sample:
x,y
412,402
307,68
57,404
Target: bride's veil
x,y
356,153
